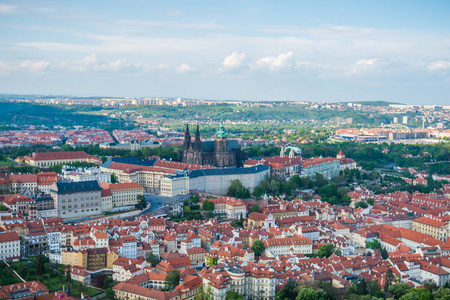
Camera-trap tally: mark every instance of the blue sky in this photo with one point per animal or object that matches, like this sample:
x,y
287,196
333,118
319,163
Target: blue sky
x,y
251,50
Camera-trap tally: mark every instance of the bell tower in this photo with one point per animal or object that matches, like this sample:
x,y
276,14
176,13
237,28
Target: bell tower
x,y
221,154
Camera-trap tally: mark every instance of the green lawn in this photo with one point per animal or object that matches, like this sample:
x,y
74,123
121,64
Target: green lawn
x,y
75,290
55,284
7,163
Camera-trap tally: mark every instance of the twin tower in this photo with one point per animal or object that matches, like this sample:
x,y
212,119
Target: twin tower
x,y
220,152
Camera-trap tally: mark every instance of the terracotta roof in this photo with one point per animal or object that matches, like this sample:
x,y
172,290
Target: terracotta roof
x,y
22,178
60,155
428,221
121,186
9,237
106,193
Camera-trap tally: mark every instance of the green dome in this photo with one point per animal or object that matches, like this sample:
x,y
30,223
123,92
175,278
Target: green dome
x,y
221,130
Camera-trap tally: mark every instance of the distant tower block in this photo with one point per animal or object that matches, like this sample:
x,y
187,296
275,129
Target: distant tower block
x,y
395,120
405,120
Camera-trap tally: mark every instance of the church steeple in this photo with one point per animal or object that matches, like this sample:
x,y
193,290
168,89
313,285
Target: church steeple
x,y
197,142
291,154
187,138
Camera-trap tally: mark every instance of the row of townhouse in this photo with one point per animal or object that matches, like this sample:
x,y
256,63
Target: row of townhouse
x,y
32,183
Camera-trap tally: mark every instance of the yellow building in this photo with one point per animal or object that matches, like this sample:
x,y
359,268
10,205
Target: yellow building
x,y
110,258
280,211
196,255
124,194
437,229
255,220
75,258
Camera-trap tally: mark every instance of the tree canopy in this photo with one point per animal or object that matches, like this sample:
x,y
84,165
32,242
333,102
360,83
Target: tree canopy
x,y
328,249
258,247
172,279
236,189
152,259
208,205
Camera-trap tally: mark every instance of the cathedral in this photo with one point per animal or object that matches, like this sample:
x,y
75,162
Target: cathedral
x,y
220,152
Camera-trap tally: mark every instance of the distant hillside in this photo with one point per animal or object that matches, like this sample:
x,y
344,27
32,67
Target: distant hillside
x,y
373,103
49,115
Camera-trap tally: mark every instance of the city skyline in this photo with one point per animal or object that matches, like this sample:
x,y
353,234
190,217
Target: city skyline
x,y
238,50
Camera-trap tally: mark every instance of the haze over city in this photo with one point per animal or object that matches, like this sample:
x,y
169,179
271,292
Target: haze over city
x,y
250,50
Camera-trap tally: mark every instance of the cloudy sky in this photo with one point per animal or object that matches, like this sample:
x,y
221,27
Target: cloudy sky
x,y
250,50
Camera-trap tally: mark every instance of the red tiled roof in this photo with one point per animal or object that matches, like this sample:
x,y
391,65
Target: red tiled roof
x,y
60,155
9,237
121,186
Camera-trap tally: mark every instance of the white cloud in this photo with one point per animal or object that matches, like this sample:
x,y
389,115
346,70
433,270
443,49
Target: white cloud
x,y
94,63
184,68
8,9
438,65
284,61
34,67
365,66
367,62
233,62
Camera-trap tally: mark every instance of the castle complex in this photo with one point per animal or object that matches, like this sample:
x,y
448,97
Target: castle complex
x,y
220,152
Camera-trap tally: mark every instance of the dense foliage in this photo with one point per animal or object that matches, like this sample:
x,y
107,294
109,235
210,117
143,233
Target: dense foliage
x,y
258,247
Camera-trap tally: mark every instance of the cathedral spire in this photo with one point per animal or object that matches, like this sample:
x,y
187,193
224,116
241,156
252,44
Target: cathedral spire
x,y
187,138
198,142
197,134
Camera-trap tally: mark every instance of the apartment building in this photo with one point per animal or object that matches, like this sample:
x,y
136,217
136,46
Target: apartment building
x,y
54,240
21,182
124,194
174,185
77,199
9,246
90,259
437,229
21,205
74,258
288,245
